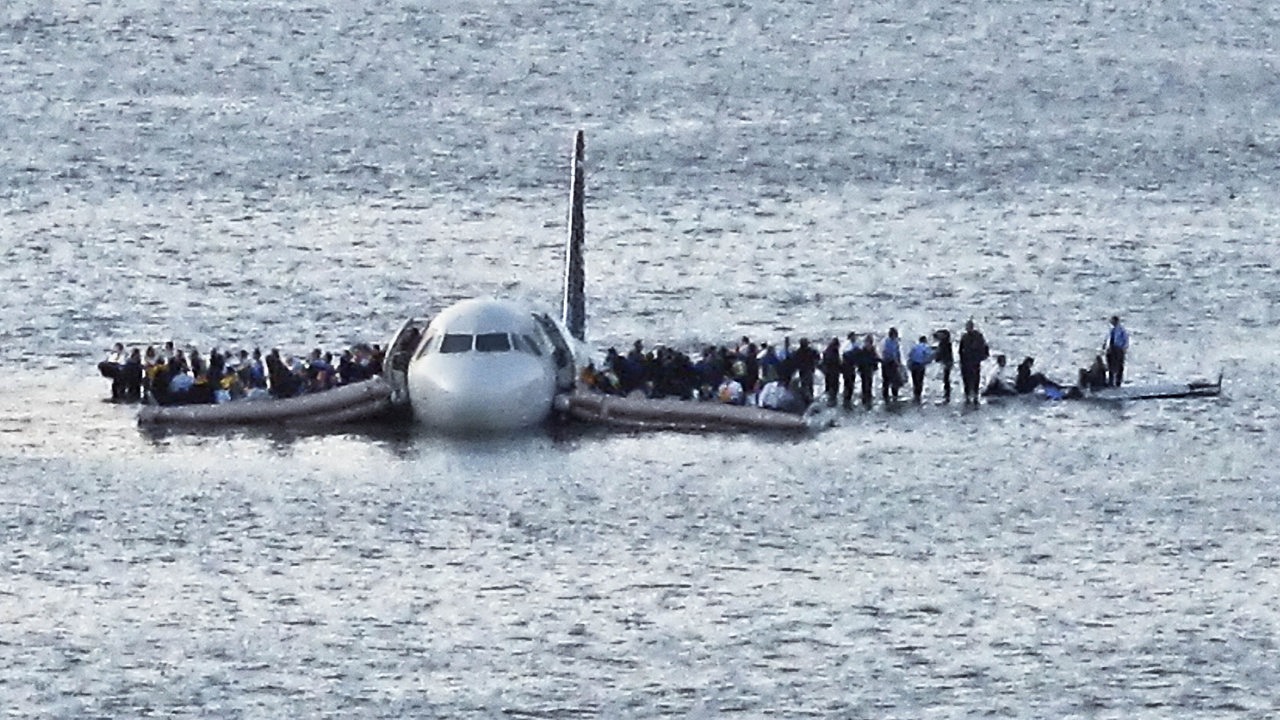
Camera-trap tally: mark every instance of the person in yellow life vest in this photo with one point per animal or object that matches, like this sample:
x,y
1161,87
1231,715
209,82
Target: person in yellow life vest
x,y
231,385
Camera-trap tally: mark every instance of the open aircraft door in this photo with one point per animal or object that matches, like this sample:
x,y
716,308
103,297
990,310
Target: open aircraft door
x,y
395,366
566,371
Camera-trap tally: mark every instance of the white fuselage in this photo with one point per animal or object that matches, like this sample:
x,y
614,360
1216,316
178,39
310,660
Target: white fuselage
x,y
483,365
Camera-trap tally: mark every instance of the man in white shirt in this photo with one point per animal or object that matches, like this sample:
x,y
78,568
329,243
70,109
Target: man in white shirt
x,y
113,369
997,384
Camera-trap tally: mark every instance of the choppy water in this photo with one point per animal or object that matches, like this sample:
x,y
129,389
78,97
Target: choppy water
x,y
303,174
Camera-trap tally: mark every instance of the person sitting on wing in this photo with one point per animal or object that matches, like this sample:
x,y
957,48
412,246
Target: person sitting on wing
x,y
730,391
1093,377
997,385
1026,381
778,395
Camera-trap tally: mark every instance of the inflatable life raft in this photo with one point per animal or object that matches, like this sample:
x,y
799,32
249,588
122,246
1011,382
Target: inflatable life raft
x,y
367,400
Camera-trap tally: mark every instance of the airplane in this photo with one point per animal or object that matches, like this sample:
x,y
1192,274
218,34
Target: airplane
x,y
487,364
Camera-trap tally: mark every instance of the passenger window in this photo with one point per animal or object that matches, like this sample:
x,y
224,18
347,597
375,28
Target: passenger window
x,y
455,343
493,342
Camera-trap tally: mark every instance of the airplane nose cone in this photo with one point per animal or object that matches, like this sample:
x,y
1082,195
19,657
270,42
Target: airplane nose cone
x,y
479,399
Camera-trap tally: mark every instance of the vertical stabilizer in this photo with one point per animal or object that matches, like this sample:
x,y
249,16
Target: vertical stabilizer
x,y
575,303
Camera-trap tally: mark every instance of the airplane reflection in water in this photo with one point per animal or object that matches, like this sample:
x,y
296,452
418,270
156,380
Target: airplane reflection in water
x,y
486,364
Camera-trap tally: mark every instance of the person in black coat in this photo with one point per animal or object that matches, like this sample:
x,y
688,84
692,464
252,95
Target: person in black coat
x,y
943,355
973,350
866,361
806,360
131,376
849,369
831,371
1027,381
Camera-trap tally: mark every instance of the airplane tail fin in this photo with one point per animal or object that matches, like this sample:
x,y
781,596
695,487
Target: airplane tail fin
x,y
575,303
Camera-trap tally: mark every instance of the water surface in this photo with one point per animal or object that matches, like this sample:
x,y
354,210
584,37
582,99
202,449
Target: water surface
x,y
303,175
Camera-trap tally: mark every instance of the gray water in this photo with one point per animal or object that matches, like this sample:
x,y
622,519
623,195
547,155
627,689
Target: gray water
x,y
298,175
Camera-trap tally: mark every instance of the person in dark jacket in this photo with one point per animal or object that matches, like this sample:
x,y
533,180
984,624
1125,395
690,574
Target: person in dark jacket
x,y
1093,377
831,371
849,369
944,356
1025,381
890,366
867,361
284,384
973,350
751,363
131,376
1116,346
806,361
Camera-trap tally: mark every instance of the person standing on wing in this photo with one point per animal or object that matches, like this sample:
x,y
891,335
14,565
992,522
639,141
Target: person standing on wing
x,y
943,355
831,371
849,368
1116,346
866,360
891,366
973,350
920,356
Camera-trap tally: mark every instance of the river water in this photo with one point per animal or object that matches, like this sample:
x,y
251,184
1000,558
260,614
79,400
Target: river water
x,y
306,174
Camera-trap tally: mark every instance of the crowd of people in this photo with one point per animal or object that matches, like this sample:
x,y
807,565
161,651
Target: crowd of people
x,y
168,375
781,377
785,377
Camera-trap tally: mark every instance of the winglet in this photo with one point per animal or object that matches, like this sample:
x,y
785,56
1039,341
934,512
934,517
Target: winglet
x,y
575,304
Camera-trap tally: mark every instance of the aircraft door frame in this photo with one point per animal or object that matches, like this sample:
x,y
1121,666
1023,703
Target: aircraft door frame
x,y
562,353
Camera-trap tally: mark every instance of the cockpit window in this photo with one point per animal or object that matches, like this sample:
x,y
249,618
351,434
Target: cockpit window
x,y
528,344
493,342
456,343
484,342
426,345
